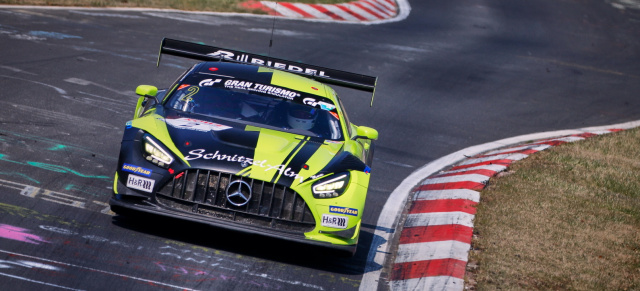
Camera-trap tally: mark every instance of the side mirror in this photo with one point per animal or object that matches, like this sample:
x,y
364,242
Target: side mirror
x,y
145,91
366,132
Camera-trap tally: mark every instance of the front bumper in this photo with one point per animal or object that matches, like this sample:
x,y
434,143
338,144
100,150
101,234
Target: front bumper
x,y
183,207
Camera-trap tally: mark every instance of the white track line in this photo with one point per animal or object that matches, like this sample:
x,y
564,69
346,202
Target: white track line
x,y
37,282
98,270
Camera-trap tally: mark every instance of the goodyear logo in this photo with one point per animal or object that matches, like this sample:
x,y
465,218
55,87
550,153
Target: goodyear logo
x,y
136,170
343,210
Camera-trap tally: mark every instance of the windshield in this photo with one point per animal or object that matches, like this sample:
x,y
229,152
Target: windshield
x,y
269,106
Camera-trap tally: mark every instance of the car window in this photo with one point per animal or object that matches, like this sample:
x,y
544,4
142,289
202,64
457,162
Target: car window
x,y
275,109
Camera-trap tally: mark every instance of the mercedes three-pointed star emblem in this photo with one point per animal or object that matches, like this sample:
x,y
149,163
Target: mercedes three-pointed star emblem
x,y
238,193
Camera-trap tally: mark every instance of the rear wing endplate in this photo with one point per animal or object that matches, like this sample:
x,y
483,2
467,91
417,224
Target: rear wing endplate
x,y
324,75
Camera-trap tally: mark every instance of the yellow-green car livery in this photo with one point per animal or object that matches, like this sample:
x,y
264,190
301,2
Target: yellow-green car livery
x,y
249,143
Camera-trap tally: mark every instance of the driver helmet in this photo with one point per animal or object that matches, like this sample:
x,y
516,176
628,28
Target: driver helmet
x,y
301,116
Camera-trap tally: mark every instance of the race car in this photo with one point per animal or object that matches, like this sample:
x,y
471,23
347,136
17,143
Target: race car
x,y
250,143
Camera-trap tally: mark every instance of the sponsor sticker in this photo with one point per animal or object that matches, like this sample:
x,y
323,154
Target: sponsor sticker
x,y
252,59
333,141
209,82
244,162
136,170
334,221
261,88
343,210
140,183
323,105
195,124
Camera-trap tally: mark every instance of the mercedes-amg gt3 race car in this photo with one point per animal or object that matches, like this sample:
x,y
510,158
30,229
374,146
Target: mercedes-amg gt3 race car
x,y
249,143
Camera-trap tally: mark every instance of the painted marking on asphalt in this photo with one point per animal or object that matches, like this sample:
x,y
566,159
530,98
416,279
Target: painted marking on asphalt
x,y
17,70
57,197
19,234
196,261
36,281
97,270
28,191
50,34
395,163
55,115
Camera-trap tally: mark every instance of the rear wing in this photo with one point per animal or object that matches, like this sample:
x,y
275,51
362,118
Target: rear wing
x,y
324,75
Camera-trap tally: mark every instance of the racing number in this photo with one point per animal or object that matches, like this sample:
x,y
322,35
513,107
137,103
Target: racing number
x,y
192,91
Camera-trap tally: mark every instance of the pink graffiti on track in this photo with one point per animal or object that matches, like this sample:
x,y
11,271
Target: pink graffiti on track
x,y
19,234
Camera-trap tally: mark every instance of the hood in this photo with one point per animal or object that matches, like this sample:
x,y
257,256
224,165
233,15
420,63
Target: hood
x,y
269,155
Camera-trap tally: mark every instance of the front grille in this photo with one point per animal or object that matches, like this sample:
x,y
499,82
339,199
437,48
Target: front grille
x,y
204,192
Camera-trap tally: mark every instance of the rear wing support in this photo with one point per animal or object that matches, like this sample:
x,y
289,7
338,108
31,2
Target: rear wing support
x,y
321,74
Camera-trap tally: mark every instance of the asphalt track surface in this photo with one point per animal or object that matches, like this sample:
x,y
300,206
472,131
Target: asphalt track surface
x,y
452,75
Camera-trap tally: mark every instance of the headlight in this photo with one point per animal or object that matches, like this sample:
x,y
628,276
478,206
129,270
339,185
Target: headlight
x,y
155,153
331,187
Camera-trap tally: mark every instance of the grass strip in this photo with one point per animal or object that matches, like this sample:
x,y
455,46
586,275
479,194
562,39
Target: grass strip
x,y
567,218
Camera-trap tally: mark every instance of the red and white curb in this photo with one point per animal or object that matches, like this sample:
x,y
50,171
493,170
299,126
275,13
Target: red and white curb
x,y
361,11
356,12
436,236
